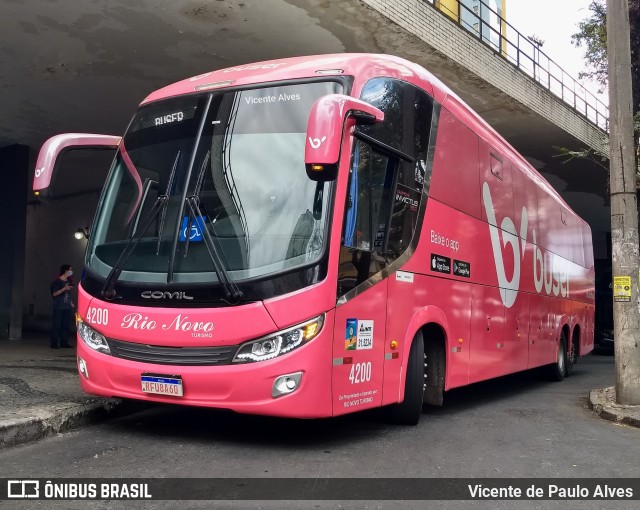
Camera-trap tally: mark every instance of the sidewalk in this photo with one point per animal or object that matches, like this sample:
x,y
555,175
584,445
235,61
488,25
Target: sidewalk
x,y
603,402
39,391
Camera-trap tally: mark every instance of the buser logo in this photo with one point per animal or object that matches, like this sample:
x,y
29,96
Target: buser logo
x,y
158,294
550,272
508,288
316,142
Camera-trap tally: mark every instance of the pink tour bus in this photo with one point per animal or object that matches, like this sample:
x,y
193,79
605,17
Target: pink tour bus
x,y
314,236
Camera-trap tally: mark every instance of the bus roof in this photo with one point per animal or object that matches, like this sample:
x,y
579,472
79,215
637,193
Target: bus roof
x,y
362,65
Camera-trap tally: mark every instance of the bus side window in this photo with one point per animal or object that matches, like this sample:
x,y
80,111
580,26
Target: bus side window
x,y
388,176
366,216
413,177
367,208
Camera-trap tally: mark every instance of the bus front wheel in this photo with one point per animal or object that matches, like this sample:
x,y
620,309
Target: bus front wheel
x,y
558,370
409,410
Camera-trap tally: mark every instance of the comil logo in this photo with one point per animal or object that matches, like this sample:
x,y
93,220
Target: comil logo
x,y
158,294
508,287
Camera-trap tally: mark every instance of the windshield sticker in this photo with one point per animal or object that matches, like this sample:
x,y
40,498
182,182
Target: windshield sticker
x,y
169,118
197,228
419,173
404,196
272,99
350,338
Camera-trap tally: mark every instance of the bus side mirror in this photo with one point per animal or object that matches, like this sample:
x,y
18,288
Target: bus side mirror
x,y
50,155
325,129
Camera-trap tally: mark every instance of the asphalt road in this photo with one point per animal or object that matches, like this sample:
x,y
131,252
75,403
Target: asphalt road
x,y
517,426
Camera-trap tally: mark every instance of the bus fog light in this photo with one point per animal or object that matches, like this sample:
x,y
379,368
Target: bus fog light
x,y
286,384
82,367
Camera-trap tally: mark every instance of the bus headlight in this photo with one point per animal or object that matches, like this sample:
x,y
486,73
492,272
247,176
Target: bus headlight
x,y
279,343
91,337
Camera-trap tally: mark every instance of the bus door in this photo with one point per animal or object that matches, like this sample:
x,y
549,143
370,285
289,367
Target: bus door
x,y
358,351
361,312
387,176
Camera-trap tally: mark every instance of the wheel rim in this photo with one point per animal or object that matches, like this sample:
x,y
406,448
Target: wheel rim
x,y
424,379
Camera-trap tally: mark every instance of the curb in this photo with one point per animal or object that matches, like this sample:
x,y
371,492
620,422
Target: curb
x,y
54,419
603,402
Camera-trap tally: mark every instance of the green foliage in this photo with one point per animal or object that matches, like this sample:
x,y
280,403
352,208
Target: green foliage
x,y
568,155
592,35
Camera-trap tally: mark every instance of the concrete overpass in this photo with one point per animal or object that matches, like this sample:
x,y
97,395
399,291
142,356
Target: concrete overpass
x,y
84,66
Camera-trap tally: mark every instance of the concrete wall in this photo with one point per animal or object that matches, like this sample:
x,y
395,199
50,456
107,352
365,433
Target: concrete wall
x,y
14,163
50,243
438,31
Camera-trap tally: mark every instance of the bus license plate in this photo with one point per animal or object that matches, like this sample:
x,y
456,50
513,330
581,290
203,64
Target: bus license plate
x,y
162,384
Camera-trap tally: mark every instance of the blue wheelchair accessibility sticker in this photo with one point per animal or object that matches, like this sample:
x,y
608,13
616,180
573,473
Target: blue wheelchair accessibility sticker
x,y
197,228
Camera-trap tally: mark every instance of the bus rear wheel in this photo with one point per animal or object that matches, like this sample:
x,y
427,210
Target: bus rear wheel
x,y
572,357
409,410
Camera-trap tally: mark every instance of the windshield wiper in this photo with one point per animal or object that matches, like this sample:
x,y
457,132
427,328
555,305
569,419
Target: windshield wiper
x,y
231,290
195,213
108,289
167,192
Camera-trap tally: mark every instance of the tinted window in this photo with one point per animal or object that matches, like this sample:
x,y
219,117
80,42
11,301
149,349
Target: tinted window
x,y
408,112
241,153
392,216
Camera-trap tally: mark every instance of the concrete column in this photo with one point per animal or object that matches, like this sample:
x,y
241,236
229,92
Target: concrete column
x,y
14,176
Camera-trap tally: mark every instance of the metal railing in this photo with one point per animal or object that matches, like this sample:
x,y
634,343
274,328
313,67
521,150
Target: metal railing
x,y
491,29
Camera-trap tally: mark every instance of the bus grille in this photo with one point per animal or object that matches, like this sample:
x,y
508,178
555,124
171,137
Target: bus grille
x,y
172,355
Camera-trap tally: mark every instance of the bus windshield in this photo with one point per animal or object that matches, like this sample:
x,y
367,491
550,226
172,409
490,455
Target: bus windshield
x,y
240,155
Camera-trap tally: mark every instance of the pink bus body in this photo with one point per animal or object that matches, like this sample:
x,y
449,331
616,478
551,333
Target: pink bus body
x,y
432,232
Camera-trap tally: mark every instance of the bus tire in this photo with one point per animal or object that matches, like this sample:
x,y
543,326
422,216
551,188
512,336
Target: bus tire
x,y
409,410
558,370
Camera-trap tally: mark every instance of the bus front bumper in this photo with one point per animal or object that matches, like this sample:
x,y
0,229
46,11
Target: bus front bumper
x,y
244,388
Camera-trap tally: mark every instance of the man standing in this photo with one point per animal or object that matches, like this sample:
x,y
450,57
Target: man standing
x,y
62,308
